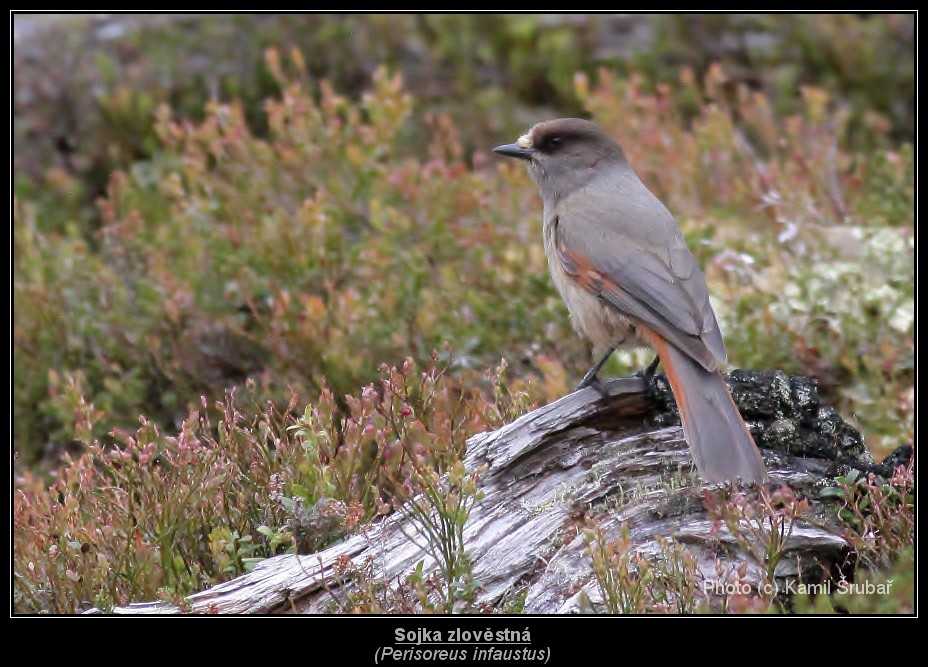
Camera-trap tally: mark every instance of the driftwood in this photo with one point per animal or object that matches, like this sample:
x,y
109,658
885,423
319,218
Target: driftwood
x,y
616,455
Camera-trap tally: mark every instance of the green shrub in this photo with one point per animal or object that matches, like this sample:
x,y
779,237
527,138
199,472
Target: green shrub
x,y
320,252
162,516
86,89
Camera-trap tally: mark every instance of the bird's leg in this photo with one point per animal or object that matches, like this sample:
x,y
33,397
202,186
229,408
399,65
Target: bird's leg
x,y
590,379
647,373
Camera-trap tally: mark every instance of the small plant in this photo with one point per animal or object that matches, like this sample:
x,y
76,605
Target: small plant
x,y
622,576
677,586
629,582
761,526
439,506
439,509
361,590
879,515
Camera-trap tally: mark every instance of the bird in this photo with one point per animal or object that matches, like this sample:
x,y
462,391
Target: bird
x,y
621,265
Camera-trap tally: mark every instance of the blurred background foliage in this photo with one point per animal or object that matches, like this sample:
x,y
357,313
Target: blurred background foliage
x,y
86,90
282,204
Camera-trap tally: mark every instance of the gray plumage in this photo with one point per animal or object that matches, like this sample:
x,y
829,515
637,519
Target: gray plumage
x,y
623,268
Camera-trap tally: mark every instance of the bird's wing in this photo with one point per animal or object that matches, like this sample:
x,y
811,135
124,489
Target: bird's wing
x,y
664,289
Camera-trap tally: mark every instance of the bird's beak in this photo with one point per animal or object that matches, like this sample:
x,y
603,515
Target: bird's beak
x,y
514,150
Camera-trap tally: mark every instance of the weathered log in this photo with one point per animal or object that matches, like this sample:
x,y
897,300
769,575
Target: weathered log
x,y
616,455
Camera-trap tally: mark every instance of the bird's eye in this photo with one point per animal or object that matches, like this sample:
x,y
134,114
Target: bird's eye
x,y
553,143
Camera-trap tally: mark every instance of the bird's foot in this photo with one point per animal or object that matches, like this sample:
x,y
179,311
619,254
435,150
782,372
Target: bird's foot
x,y
590,379
647,373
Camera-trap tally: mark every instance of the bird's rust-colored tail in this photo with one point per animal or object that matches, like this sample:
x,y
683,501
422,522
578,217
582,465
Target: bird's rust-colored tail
x,y
721,444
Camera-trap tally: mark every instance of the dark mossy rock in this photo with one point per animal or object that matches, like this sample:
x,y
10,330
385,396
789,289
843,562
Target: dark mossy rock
x,y
783,413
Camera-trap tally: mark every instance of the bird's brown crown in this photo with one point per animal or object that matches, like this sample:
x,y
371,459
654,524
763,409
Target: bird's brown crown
x,y
551,135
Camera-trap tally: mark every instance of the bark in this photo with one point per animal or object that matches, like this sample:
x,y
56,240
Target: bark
x,y
614,456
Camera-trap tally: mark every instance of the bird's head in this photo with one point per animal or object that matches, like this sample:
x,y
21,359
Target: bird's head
x,y
565,153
